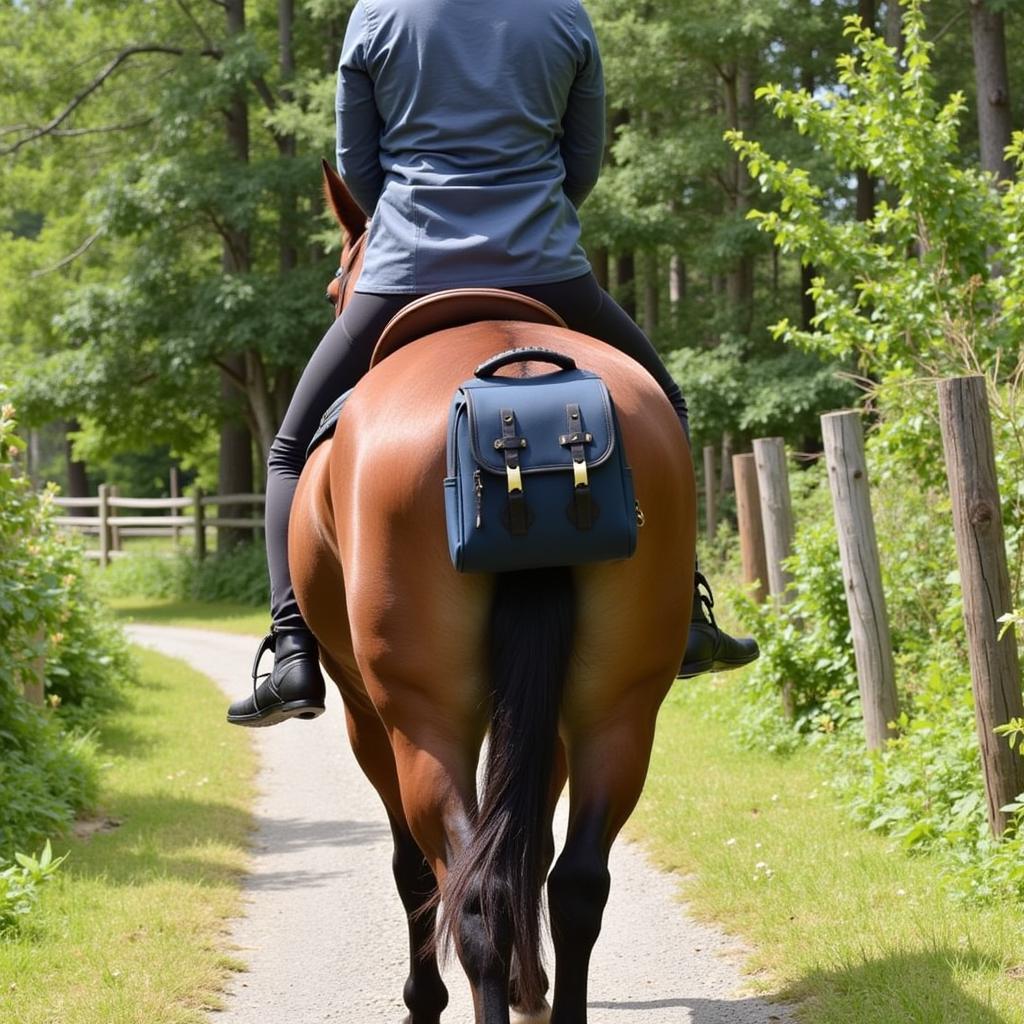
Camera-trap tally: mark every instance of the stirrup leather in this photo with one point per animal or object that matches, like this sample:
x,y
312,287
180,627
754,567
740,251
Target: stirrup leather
x,y
268,643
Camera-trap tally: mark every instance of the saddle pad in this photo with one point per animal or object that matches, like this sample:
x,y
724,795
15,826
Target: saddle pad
x,y
328,423
536,474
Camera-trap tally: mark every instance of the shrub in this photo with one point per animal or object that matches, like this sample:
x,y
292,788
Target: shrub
x,y
48,614
238,575
147,574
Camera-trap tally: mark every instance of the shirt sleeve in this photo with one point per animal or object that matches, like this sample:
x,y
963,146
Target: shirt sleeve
x,y
359,123
583,124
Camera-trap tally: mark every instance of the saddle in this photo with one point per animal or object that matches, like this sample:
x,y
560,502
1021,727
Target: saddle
x,y
456,307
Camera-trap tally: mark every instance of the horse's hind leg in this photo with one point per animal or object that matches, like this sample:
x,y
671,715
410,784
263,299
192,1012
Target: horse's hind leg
x,y
438,794
424,993
606,775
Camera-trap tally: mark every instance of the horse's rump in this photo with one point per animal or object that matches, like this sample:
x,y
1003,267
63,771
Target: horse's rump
x,y
385,473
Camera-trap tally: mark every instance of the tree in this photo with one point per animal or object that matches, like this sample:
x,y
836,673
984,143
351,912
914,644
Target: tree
x,y
189,267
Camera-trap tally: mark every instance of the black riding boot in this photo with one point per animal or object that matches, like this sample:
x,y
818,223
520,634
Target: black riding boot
x,y
294,688
708,648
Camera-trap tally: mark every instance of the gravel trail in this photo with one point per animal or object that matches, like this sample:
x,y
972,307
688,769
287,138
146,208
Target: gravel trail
x,y
324,935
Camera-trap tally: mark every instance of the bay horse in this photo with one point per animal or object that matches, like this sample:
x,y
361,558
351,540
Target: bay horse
x,y
565,668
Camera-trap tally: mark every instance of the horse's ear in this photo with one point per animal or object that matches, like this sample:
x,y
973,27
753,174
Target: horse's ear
x,y
345,209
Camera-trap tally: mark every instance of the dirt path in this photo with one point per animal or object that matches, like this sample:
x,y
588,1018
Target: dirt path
x,y
324,936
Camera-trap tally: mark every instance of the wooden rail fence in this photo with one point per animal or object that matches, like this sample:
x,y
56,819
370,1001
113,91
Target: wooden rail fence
x,y
167,518
766,530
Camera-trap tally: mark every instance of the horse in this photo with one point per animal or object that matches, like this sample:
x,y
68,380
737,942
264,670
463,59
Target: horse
x,y
563,668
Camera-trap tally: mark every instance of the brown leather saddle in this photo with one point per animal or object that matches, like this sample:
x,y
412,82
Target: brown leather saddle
x,y
456,307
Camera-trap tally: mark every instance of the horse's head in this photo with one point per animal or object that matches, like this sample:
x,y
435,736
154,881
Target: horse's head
x,y
352,221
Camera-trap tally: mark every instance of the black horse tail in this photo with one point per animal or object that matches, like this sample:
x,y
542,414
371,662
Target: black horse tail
x,y
494,887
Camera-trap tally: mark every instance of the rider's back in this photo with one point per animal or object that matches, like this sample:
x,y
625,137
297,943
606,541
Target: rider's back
x,y
487,120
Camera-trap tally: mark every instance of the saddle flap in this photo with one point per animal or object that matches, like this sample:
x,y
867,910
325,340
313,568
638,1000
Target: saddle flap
x,y
553,417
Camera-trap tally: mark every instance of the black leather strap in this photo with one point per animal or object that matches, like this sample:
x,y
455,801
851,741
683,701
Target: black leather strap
x,y
524,355
510,445
575,440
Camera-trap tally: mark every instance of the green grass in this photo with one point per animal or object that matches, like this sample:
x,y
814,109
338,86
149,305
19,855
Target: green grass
x,y
842,923
131,930
222,616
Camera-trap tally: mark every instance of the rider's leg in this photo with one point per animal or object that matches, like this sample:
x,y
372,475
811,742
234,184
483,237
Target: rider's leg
x,y
295,686
587,307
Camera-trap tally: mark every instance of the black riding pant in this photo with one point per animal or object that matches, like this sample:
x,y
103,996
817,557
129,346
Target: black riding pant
x,y
343,356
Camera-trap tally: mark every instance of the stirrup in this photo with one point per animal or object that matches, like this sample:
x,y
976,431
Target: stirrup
x,y
268,643
707,600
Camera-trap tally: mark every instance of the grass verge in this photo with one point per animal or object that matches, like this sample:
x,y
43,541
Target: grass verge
x,y
131,930
842,923
219,615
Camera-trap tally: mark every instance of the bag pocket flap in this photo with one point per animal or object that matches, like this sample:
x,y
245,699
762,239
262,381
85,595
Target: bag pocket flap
x,y
539,405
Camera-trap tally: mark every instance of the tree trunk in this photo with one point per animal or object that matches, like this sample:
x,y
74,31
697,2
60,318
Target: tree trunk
x,y
625,282
652,292
865,182
988,36
235,463
807,270
738,94
676,280
78,480
894,25
728,485
808,308
234,468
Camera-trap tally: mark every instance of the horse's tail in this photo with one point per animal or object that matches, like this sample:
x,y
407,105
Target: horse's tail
x,y
501,870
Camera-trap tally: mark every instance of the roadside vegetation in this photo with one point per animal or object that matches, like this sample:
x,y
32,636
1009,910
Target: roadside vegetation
x,y
928,287
122,832
131,928
843,922
60,645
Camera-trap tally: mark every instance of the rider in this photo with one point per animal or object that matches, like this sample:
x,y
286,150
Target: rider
x,y
470,131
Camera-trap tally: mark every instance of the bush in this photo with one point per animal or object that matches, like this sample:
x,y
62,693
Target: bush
x,y
147,574
48,615
238,575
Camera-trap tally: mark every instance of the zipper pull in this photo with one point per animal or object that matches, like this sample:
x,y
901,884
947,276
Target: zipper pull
x,y
478,492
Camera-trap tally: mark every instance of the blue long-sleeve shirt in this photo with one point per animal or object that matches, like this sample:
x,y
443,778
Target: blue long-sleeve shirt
x,y
470,130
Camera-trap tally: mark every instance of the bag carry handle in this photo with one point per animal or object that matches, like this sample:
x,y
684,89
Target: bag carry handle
x,y
524,355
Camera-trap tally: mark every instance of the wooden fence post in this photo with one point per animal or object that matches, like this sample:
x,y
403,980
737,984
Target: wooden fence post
x,y
115,533
104,514
862,574
777,523
748,517
175,493
776,509
978,524
710,498
200,526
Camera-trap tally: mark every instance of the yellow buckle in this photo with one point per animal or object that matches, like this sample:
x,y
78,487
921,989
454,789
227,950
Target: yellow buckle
x,y
515,479
579,472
